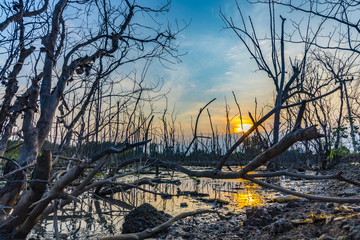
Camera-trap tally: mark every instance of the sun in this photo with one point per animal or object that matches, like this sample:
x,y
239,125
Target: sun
x,y
245,127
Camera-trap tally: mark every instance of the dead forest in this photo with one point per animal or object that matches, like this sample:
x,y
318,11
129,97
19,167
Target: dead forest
x,y
76,110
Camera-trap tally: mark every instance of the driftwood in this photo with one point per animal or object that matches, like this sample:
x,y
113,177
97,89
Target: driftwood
x,y
193,193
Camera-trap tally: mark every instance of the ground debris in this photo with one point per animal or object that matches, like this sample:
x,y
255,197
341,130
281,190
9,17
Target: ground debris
x,y
258,217
284,199
280,226
279,220
142,218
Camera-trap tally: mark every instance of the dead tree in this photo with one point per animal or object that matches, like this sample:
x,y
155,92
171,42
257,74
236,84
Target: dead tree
x,y
339,40
289,78
276,69
296,134
43,58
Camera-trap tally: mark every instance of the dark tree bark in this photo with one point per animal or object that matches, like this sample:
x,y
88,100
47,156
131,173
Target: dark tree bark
x,y
59,63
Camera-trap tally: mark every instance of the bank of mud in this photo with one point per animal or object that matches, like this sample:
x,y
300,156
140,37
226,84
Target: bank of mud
x,y
287,219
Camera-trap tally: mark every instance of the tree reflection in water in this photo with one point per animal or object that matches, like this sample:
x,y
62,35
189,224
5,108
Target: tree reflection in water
x,y
100,216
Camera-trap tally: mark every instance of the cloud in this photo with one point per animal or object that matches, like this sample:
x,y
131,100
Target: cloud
x,y
215,65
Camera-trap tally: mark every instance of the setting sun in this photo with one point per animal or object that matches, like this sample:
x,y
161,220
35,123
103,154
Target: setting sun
x,y
244,128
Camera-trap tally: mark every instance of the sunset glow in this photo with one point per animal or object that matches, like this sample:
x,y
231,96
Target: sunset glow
x,y
249,196
243,128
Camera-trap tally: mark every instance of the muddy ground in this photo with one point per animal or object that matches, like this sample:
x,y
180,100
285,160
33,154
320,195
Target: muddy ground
x,y
293,219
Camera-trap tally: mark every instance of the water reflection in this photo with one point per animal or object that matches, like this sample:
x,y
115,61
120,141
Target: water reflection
x,y
249,196
104,215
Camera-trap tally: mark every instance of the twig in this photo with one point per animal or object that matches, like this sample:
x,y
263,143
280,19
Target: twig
x,y
129,186
195,129
300,115
11,160
68,158
18,145
239,109
258,132
147,133
15,171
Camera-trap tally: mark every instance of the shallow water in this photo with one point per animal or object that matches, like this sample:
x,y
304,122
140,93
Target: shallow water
x,y
103,216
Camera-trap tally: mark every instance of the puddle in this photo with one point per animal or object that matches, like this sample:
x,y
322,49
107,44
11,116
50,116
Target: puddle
x,y
104,215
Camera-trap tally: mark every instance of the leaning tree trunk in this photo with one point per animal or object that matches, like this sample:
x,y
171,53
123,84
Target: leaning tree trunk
x,y
38,186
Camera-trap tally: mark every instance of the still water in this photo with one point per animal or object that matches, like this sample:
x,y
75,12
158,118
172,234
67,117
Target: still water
x,y
102,216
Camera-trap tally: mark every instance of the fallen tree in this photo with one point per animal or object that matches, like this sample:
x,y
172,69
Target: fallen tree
x,y
33,188
297,134
57,197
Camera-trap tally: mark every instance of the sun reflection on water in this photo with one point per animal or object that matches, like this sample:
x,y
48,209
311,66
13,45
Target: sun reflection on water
x,y
99,216
248,195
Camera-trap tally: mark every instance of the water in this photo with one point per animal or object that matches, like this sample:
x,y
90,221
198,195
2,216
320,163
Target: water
x,y
104,215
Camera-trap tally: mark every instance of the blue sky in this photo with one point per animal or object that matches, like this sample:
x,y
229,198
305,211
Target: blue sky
x,y
215,64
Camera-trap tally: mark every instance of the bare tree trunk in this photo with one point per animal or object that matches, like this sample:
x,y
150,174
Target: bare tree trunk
x,y
279,97
351,120
38,186
10,192
339,121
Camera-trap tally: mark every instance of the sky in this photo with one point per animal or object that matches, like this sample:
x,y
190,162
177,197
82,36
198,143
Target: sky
x,y
215,64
